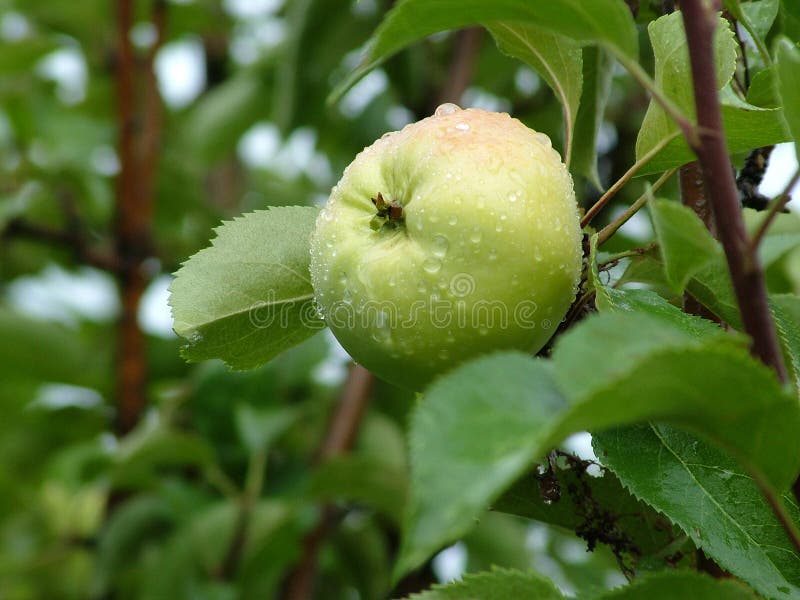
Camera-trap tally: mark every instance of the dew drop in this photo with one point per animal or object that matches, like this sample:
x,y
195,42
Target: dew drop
x,y
440,246
448,108
543,139
475,236
444,354
483,331
431,265
453,220
492,254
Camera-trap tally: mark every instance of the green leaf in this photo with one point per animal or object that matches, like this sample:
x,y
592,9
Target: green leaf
x,y
786,312
219,118
682,584
142,453
788,56
248,297
598,71
635,528
259,428
497,584
746,126
763,90
756,18
361,479
556,58
506,400
601,21
685,243
644,369
711,498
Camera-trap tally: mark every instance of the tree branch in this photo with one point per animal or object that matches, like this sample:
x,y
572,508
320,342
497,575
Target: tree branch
x,y
467,46
747,275
341,435
139,126
612,191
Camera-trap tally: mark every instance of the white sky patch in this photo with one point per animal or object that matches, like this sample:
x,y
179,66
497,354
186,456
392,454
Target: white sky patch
x,y
398,117
154,315
105,161
67,297
259,145
143,35
67,68
356,100
332,370
526,81
14,27
252,38
180,71
638,227
782,165
248,9
475,97
450,563
55,396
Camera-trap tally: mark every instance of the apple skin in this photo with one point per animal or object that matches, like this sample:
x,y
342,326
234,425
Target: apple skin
x,y
490,234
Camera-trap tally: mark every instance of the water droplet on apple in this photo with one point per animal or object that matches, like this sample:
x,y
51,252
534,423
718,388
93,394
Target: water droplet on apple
x,y
513,197
492,254
483,331
432,265
453,220
537,254
475,236
514,281
421,287
446,109
543,139
462,127
440,246
444,354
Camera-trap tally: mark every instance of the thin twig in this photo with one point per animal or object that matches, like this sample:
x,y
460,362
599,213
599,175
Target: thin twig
x,y
747,274
612,227
612,191
20,228
776,206
247,501
341,435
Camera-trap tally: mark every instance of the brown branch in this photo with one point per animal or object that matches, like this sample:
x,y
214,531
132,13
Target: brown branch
x,y
467,46
747,274
139,125
693,195
69,239
341,435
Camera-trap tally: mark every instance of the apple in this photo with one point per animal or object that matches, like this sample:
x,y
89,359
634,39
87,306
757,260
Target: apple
x,y
456,236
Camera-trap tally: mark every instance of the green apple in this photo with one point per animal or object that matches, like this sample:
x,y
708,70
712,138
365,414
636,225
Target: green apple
x,y
456,236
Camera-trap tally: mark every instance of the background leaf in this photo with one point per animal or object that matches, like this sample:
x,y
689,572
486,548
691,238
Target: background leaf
x,y
557,59
711,498
686,245
604,21
248,297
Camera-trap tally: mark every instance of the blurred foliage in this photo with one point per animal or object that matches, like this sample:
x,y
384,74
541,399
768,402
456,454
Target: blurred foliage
x,y
86,513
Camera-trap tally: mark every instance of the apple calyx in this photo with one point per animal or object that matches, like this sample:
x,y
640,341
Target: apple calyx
x,y
389,213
